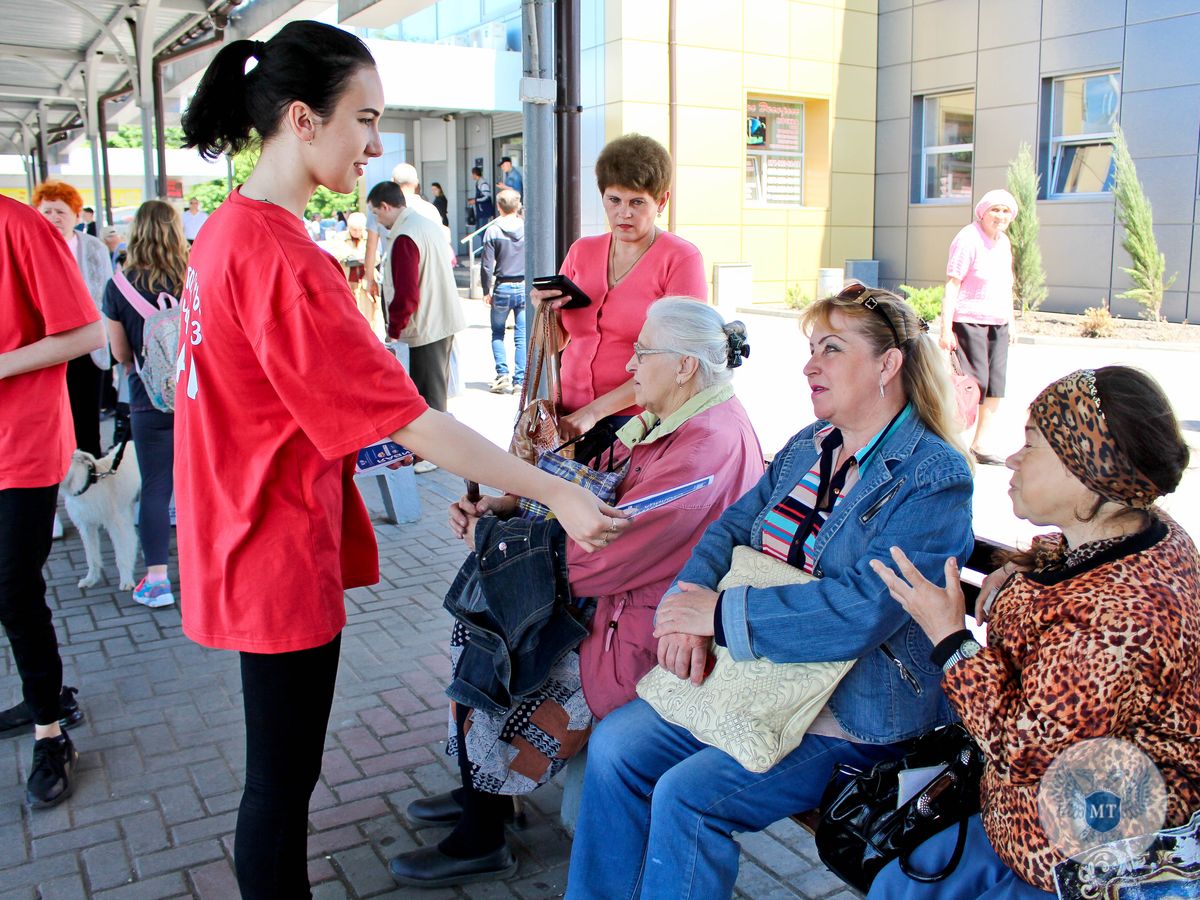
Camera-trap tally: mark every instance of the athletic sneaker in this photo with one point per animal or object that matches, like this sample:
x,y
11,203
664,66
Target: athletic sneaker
x,y
154,594
424,466
50,777
19,718
502,384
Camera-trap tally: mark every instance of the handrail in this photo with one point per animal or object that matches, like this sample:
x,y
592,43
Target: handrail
x,y
483,227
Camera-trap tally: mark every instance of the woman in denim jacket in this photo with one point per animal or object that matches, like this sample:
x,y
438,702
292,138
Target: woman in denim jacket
x,y
883,468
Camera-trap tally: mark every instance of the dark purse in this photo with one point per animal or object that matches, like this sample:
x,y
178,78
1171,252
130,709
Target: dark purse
x,y
861,829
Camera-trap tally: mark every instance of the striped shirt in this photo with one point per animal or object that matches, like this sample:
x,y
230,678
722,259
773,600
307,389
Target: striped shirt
x,y
791,528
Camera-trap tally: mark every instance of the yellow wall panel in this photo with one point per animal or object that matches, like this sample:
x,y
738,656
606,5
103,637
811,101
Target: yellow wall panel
x,y
856,37
716,24
640,19
811,79
707,195
811,29
853,199
765,74
853,146
644,72
710,77
855,94
710,136
764,27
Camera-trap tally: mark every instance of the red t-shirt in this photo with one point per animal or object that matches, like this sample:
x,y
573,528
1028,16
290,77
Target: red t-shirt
x,y
41,293
281,381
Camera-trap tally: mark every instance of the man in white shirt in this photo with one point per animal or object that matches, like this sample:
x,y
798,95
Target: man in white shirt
x,y
193,218
405,175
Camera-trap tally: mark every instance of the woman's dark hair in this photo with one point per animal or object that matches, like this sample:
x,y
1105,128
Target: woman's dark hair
x,y
305,61
1142,423
637,163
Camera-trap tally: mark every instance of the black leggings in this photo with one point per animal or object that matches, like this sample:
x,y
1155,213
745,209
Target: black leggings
x,y
154,437
287,698
26,521
83,387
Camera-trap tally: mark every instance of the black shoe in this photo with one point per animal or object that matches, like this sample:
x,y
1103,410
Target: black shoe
x,y
440,810
986,459
429,867
444,811
18,719
50,778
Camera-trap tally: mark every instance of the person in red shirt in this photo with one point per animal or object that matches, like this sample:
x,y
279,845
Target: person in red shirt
x,y
280,382
48,318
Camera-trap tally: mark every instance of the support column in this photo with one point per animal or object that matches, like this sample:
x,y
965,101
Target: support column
x,y
43,160
144,44
537,99
91,121
567,112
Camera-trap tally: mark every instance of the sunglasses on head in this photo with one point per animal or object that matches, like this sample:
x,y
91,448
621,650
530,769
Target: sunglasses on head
x,y
860,293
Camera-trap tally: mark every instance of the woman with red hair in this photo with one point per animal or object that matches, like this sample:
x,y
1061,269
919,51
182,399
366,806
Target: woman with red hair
x,y
61,204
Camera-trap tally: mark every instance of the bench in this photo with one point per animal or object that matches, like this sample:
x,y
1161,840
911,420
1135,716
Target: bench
x,y
978,565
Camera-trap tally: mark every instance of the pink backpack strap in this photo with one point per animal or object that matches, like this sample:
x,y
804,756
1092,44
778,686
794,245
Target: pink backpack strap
x,y
144,307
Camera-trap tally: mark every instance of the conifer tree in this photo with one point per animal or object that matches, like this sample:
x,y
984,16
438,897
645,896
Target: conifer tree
x,y
1029,277
1137,218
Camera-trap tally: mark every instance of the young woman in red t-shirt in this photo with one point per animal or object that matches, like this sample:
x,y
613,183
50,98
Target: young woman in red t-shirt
x,y
280,382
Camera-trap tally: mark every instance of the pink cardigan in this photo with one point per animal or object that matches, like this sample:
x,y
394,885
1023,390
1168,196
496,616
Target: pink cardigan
x,y
629,578
602,334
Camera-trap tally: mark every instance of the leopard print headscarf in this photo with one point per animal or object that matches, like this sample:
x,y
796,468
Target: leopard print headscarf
x,y
1069,415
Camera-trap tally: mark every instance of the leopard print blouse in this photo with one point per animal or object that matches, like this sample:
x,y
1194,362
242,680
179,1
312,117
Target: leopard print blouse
x,y
1107,648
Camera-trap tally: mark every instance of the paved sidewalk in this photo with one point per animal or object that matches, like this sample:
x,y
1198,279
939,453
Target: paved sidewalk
x,y
162,747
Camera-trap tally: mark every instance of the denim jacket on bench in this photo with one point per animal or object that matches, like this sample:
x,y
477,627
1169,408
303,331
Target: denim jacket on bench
x,y
915,493
513,596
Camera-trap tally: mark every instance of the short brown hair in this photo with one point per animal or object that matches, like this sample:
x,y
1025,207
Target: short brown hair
x,y
636,162
58,190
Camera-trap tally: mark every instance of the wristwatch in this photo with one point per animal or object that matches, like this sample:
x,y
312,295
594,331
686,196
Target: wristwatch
x,y
968,648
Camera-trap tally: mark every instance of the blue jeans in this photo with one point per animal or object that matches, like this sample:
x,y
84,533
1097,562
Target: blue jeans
x,y
980,874
505,297
659,806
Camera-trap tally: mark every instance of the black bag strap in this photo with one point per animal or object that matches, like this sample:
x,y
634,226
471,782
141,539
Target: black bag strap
x,y
948,869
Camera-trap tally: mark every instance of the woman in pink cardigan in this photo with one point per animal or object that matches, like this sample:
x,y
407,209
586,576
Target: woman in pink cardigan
x,y
692,427
623,272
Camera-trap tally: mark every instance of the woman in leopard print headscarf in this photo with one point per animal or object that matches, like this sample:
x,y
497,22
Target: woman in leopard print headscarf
x,y
1093,633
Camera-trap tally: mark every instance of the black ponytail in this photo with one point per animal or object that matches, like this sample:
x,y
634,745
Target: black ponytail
x,y
305,61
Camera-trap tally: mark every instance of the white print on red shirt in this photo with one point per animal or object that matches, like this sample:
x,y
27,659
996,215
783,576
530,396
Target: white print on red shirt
x,y
190,333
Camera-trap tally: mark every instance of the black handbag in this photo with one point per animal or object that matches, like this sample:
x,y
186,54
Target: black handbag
x,y
861,829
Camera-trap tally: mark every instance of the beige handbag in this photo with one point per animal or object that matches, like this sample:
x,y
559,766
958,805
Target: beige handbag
x,y
756,711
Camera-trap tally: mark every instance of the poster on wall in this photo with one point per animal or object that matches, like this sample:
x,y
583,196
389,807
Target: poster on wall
x,y
774,152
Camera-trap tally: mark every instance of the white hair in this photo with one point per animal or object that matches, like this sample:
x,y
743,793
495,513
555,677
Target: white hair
x,y
405,173
694,328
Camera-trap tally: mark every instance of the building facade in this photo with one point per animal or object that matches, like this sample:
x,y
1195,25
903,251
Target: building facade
x,y
962,83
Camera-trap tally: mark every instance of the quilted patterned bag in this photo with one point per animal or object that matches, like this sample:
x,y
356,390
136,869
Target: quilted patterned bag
x,y
757,711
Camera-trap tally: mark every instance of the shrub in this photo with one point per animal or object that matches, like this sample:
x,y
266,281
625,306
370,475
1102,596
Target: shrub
x,y
795,297
1097,323
927,301
1135,215
1029,278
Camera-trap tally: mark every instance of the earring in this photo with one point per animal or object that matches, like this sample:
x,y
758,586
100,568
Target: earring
x,y
880,387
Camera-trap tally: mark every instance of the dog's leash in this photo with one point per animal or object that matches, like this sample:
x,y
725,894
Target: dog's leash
x,y
93,476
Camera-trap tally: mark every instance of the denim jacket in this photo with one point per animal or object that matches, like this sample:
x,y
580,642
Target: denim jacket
x,y
914,493
512,595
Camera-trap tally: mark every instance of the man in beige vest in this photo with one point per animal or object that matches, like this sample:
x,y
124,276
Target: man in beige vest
x,y
424,310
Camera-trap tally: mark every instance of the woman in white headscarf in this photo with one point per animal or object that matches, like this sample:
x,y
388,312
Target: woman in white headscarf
x,y
977,311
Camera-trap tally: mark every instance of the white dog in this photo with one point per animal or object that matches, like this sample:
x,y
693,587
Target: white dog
x,y
97,496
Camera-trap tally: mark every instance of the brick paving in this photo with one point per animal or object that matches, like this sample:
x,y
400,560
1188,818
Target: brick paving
x,y
162,750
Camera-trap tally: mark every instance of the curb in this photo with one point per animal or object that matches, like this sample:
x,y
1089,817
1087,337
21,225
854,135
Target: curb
x,y
1045,340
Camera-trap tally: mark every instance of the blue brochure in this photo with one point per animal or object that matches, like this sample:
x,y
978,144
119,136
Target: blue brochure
x,y
662,498
380,454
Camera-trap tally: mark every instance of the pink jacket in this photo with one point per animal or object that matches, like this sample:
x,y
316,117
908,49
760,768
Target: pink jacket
x,y
629,578
602,335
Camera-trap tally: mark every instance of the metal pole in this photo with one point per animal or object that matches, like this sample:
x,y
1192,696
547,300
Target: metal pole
x,y
102,127
567,112
160,130
43,160
537,98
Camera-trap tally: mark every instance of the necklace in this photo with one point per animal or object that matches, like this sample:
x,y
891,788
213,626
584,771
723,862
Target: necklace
x,y
613,278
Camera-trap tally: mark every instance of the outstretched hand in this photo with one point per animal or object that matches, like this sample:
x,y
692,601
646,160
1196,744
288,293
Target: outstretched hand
x,y
939,611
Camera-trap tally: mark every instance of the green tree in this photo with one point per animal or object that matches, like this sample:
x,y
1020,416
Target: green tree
x,y
1137,218
128,136
324,201
1029,278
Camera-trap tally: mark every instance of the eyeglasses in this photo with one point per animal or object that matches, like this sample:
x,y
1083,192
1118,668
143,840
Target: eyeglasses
x,y
867,297
639,351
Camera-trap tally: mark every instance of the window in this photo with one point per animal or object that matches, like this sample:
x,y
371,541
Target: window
x,y
774,153
1083,116
947,148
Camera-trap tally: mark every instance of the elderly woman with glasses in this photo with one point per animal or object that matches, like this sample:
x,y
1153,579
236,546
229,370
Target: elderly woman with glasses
x,y
1093,633
882,467
692,427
